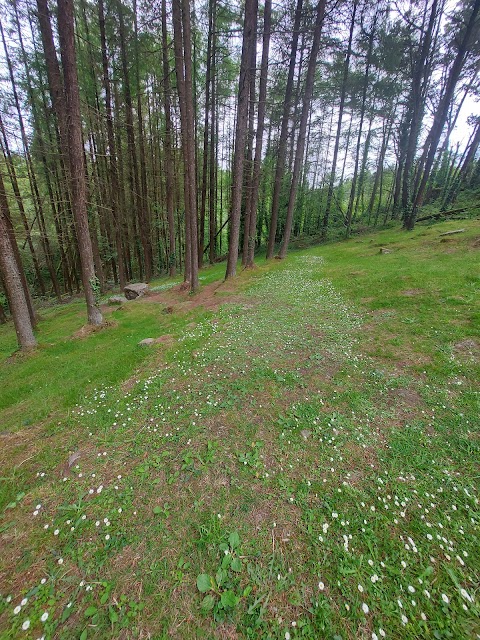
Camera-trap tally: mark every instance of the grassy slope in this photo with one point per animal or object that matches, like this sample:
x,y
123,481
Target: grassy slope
x,y
328,420
33,387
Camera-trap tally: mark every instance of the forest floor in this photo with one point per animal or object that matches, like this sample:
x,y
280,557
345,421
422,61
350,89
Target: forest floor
x,y
298,456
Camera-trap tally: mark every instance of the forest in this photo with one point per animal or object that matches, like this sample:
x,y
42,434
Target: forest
x,y
147,138
239,320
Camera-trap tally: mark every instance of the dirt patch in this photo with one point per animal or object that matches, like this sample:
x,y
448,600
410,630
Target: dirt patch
x,y
167,339
87,330
476,243
211,297
408,398
467,349
469,345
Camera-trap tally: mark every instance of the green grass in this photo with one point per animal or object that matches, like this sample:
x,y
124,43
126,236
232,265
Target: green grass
x,y
302,463
36,386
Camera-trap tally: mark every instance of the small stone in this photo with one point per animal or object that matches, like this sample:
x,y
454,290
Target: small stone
x,y
146,342
383,250
305,433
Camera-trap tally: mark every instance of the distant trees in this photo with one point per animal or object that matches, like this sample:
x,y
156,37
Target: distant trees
x,y
139,140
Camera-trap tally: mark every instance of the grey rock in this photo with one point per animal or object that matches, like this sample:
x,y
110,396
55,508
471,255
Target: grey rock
x,y
135,290
117,300
383,250
146,342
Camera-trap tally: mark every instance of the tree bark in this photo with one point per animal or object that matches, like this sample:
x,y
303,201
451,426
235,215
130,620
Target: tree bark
x,y
353,189
262,101
346,66
12,279
183,67
306,104
76,158
113,167
282,145
167,141
241,135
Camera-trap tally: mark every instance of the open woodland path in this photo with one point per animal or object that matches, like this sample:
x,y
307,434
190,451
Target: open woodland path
x,y
292,466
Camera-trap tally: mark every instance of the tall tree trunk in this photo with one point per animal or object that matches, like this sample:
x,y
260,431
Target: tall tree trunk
x,y
76,158
114,183
183,66
306,105
282,145
262,101
387,130
208,109
16,252
416,104
353,189
19,200
212,196
146,231
55,83
251,7
12,279
248,163
167,141
346,66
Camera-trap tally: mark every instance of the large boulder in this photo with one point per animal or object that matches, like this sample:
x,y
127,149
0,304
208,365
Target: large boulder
x,y
135,290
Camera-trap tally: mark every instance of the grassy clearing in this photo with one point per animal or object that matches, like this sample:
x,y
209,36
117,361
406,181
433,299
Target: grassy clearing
x,y
34,386
301,463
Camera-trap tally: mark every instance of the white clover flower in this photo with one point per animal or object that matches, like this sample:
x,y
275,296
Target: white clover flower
x,y
404,619
24,602
365,608
445,598
17,610
321,586
465,595
44,616
26,625
360,588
